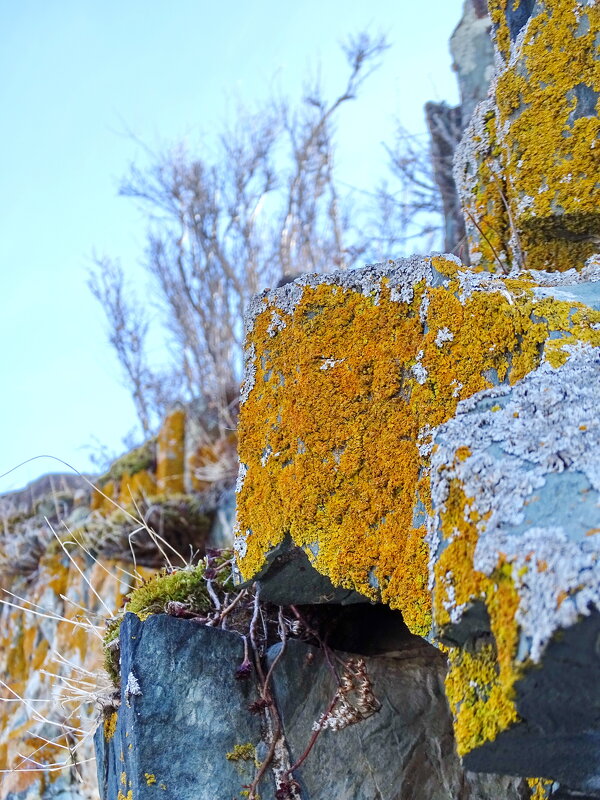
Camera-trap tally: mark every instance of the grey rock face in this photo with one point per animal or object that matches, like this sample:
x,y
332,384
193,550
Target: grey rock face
x,y
533,476
473,55
405,751
182,711
289,577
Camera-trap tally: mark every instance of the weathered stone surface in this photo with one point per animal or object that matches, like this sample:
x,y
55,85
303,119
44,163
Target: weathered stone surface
x,y
516,493
527,168
445,125
472,55
44,659
55,661
182,710
405,750
348,377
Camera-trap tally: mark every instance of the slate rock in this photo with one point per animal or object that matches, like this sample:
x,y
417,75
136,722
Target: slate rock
x,y
405,751
182,710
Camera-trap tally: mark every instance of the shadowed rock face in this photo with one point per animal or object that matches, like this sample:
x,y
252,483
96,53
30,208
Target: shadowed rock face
x,y
360,761
182,711
517,16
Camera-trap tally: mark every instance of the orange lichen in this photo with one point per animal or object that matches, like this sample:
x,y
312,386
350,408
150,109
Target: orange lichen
x,y
541,788
479,702
133,488
343,391
170,449
549,146
483,704
110,725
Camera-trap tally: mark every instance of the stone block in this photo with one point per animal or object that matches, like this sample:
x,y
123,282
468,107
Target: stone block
x,y
515,544
543,152
182,711
360,761
348,376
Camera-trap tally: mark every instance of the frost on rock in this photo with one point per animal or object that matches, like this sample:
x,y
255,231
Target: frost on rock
x,y
132,688
532,479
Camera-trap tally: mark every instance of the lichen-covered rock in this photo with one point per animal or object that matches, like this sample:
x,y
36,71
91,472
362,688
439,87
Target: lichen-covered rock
x,y
516,494
54,663
527,170
50,644
348,376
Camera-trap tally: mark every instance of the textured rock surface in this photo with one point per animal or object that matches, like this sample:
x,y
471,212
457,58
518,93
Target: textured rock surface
x,y
356,762
527,167
348,376
34,653
55,661
515,487
182,710
473,55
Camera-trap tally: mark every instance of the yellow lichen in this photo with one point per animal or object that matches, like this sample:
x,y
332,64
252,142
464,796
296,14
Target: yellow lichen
x,y
540,788
242,752
486,708
150,778
330,431
550,157
478,701
110,725
170,450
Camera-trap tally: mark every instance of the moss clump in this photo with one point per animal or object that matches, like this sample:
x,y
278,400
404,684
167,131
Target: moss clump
x,y
185,587
181,586
136,460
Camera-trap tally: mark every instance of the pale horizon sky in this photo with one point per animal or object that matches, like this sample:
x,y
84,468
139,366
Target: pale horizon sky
x,y
81,80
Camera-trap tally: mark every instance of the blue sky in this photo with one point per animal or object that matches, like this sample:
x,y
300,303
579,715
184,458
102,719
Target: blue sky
x,y
80,81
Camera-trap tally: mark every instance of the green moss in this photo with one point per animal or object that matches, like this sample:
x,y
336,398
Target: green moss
x,y
141,458
180,520
187,586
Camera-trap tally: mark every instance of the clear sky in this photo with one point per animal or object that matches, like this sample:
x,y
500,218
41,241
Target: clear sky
x,y
79,81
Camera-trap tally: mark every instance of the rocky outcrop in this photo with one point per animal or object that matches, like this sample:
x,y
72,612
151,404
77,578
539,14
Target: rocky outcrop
x,y
527,166
184,726
69,554
424,435
473,62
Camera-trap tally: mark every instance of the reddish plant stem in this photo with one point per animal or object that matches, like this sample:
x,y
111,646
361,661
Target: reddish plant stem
x,y
313,738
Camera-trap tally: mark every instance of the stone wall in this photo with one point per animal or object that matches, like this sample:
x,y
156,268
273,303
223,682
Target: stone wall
x,y
69,554
413,611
